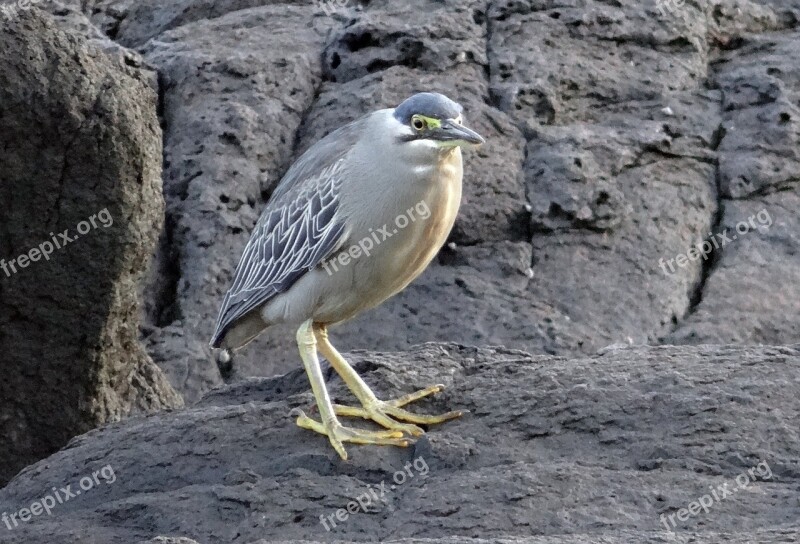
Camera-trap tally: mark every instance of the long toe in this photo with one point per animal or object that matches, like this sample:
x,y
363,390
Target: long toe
x,y
390,415
422,393
381,438
378,414
421,419
337,434
307,423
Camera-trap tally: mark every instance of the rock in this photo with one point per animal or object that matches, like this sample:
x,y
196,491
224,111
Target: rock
x,y
68,15
618,135
232,102
752,293
424,35
583,450
169,540
759,152
604,195
80,155
750,290
134,22
556,63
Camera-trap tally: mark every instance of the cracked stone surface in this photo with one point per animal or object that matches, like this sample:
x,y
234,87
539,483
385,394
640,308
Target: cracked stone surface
x,y
618,136
763,264
85,148
234,91
555,450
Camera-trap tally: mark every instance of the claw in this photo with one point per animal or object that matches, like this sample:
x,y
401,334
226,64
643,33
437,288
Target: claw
x,y
401,429
337,434
380,412
422,393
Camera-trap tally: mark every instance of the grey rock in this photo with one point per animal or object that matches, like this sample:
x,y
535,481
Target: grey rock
x,y
607,194
169,540
134,22
752,294
760,150
749,293
232,101
69,16
555,63
625,537
80,153
590,449
419,34
617,135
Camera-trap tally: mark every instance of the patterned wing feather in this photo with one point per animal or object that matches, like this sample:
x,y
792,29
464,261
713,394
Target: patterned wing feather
x,y
292,236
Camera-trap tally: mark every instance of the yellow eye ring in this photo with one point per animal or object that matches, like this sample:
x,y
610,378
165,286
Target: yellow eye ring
x,y
418,122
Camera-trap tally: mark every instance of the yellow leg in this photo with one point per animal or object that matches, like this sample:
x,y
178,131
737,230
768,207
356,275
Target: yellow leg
x,y
373,408
330,426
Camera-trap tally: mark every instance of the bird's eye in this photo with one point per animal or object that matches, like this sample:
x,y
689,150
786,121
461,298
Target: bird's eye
x,y
418,123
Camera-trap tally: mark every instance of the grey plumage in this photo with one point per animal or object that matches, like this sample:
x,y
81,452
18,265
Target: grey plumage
x,y
428,104
379,166
296,230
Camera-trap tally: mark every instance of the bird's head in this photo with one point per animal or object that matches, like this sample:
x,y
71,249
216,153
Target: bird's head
x,y
432,120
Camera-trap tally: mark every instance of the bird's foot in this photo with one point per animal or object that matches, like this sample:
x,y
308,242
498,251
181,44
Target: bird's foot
x,y
337,434
390,413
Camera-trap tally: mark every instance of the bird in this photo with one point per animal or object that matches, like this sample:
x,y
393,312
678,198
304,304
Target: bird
x,y
353,221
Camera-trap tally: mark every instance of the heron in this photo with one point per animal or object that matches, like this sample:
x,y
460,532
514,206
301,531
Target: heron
x,y
331,244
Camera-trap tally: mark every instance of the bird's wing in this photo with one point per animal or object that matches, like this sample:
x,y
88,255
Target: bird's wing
x,y
296,232
321,155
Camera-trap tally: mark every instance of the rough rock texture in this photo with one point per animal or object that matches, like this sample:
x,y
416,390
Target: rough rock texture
x,y
80,153
619,137
751,295
555,450
763,264
234,91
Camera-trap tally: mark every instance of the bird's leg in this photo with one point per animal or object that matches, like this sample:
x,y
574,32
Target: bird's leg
x,y
330,425
373,408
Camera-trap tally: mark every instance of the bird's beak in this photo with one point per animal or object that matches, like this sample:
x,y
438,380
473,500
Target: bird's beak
x,y
452,134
